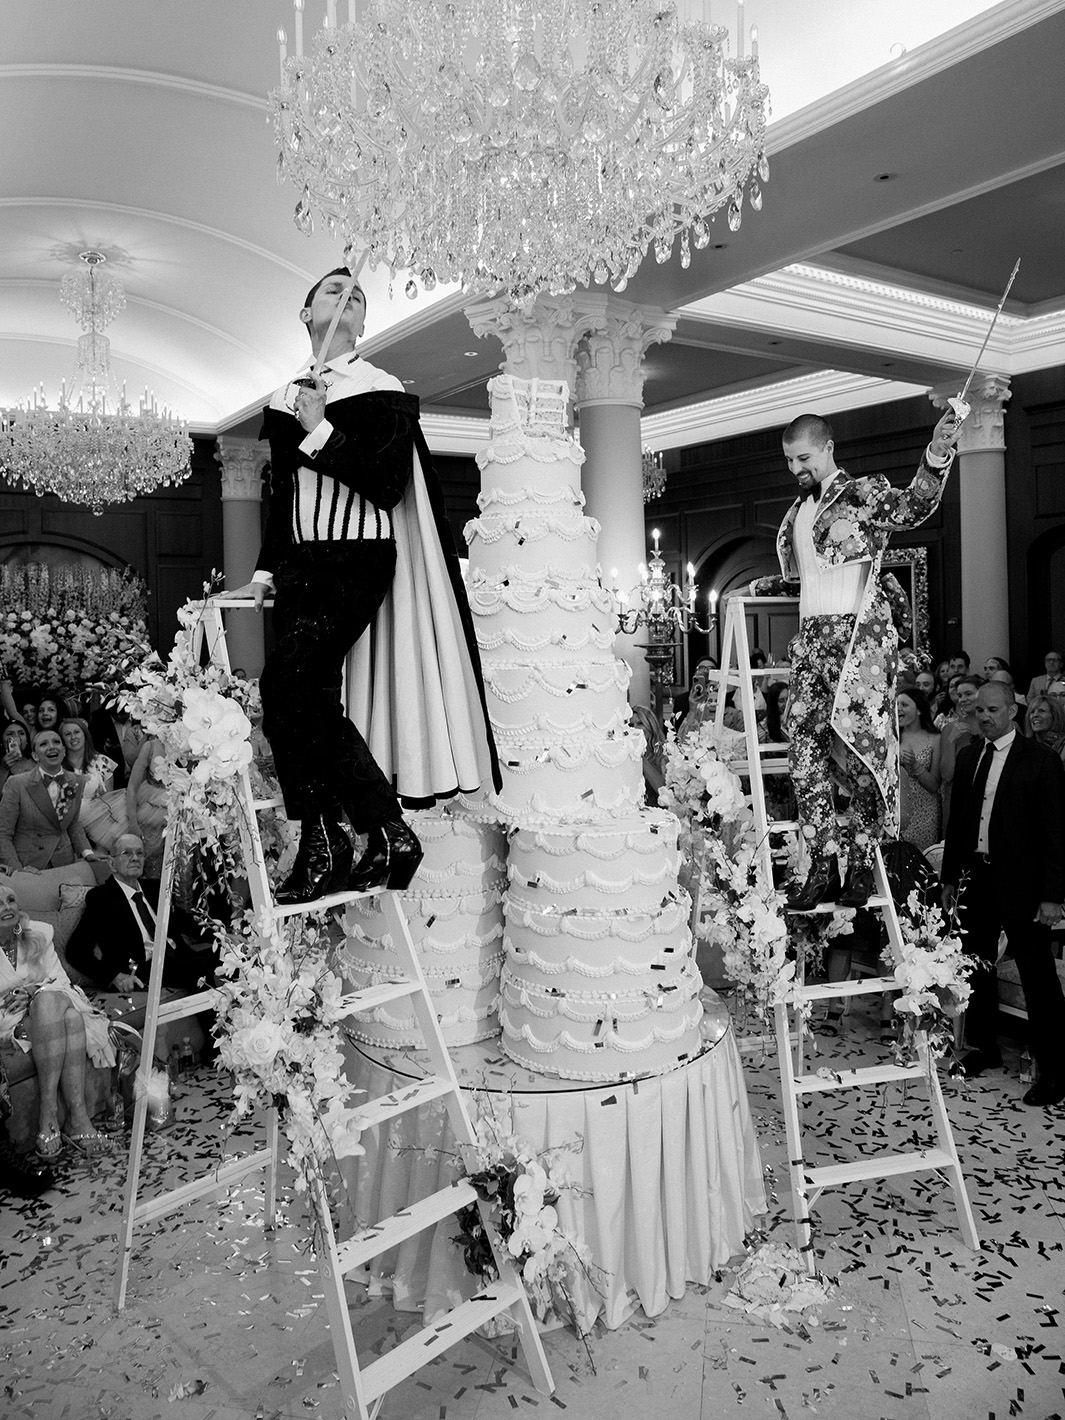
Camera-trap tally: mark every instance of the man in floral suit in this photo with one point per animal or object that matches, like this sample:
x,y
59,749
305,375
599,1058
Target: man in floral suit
x,y
841,706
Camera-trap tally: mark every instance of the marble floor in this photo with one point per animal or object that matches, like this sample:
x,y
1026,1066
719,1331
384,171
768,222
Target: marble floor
x,y
226,1324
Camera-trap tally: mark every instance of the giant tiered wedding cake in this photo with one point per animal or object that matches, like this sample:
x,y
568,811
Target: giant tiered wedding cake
x,y
599,980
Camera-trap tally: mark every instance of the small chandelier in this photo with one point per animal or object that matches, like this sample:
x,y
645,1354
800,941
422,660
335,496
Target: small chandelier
x,y
80,451
520,147
654,475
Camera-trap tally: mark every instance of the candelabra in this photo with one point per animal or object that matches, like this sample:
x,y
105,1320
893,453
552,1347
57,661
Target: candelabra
x,y
664,608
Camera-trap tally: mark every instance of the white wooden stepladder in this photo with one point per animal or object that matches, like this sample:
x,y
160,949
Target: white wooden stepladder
x,y
797,1082
363,1387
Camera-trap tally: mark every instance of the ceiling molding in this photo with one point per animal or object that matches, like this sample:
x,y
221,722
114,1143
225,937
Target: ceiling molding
x,y
149,77
826,392
453,433
1009,18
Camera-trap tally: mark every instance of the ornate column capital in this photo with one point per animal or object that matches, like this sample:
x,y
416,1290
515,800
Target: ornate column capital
x,y
984,430
242,463
537,343
610,362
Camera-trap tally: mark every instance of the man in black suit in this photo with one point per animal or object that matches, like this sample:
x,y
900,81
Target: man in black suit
x,y
113,941
1006,848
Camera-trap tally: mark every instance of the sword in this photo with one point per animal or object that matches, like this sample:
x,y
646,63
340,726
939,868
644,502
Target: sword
x,y
957,404
345,296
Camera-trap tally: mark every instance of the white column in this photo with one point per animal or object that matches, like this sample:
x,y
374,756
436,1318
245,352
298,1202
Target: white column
x,y
242,463
609,399
982,489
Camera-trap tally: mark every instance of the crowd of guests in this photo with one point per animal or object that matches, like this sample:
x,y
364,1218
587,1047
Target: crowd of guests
x,y
79,811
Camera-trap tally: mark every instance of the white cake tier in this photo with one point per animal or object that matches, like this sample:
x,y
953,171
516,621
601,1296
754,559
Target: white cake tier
x,y
629,865
579,779
557,542
518,620
556,943
466,1002
454,911
581,1036
534,409
529,487
519,689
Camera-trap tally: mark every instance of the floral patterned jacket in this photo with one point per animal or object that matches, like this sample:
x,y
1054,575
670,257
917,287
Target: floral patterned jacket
x,y
858,517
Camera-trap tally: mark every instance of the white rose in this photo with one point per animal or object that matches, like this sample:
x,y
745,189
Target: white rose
x,y
259,1044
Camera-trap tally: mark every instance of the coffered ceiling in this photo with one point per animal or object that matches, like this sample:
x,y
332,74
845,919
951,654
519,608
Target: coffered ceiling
x,y
917,149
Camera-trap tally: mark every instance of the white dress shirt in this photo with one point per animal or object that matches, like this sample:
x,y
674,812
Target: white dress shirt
x,y
831,591
1001,748
148,939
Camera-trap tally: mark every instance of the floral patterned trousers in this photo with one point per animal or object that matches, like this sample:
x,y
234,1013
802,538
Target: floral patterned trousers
x,y
816,754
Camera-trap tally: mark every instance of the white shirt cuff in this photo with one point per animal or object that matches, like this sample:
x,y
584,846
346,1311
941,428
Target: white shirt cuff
x,y
931,460
316,439
265,578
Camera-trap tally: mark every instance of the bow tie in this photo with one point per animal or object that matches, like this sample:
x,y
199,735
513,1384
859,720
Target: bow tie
x,y
53,778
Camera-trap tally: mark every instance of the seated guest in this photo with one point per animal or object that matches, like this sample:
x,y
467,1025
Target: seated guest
x,y
113,942
1046,723
39,812
1004,867
1053,664
83,758
43,1014
15,751
996,663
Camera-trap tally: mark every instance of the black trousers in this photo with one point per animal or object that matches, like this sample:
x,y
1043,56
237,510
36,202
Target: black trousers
x,y
982,919
327,595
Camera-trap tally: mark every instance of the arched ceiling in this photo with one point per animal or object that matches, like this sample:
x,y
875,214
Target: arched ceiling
x,y
141,129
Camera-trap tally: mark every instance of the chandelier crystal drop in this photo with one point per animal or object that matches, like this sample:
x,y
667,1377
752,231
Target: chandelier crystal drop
x,y
517,147
80,451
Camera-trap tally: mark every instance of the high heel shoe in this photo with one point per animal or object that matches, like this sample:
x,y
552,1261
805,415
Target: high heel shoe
x,y
390,861
322,864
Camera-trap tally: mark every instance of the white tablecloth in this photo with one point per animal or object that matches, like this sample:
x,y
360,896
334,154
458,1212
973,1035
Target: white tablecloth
x,y
669,1170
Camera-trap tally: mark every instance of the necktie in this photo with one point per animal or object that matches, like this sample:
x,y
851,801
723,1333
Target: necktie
x,y
144,912
983,769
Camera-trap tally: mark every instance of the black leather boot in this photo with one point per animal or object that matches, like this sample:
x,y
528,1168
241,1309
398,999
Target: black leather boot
x,y
822,885
858,887
390,861
322,864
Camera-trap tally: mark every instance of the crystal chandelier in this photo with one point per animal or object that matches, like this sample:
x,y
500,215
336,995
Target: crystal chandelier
x,y
80,451
518,147
654,475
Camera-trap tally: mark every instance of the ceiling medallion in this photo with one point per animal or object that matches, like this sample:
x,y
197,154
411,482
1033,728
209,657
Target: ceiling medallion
x,y
80,451
516,147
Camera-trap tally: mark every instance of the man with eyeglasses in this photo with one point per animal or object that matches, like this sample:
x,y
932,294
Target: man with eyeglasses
x,y
357,553
114,940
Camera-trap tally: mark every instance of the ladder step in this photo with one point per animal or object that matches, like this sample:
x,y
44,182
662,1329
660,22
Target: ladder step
x,y
232,1171
411,1355
852,1079
370,997
414,1219
864,986
768,766
874,902
183,1006
276,802
884,1165
320,904
385,1107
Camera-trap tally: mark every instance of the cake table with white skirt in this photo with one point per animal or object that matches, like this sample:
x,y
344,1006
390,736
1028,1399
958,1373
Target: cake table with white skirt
x,y
668,1174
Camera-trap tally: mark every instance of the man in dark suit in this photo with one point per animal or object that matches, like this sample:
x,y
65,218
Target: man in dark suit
x,y
39,812
1005,848
112,943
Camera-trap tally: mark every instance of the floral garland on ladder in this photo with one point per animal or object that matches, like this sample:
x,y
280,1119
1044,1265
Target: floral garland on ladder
x,y
280,1004
745,918
522,1191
